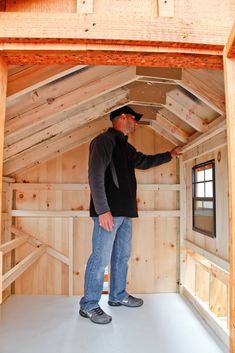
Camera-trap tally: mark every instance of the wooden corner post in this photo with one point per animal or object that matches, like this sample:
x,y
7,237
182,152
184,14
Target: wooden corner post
x,y
3,93
229,74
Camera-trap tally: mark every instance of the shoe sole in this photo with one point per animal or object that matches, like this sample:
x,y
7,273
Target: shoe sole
x,y
94,322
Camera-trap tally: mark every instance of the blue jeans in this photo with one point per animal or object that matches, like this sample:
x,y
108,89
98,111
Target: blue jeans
x,y
106,246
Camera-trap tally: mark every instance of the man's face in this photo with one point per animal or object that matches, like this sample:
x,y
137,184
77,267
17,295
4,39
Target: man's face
x,y
130,123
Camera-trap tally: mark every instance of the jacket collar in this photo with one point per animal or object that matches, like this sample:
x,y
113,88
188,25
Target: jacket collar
x,y
118,133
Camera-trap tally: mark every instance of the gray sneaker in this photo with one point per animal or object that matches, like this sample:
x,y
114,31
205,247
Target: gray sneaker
x,y
130,301
97,315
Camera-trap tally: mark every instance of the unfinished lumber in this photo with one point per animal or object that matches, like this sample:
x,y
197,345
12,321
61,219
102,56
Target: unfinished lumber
x,y
17,128
58,26
214,128
229,71
30,213
207,85
62,123
171,128
230,45
35,77
185,114
3,92
13,244
75,187
156,126
10,276
207,146
166,8
55,146
84,6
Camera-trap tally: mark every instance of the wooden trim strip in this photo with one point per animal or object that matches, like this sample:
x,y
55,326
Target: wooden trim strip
x,y
222,263
75,187
30,213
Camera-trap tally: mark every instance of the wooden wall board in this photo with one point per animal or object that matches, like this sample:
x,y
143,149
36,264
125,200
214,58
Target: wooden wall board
x,y
72,168
218,245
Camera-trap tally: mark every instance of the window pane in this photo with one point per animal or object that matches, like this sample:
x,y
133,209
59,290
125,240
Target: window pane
x,y
200,190
209,189
208,174
198,204
200,175
203,217
207,204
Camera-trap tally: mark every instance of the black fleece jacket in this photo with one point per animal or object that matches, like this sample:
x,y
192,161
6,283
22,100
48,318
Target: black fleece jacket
x,y
112,163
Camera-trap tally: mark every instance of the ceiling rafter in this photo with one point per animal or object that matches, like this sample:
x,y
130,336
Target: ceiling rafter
x,y
85,114
35,77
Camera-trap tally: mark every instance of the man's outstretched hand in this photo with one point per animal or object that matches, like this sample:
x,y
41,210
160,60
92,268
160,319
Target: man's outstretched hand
x,y
176,151
106,221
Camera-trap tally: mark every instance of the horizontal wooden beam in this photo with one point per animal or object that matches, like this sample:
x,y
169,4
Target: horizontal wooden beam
x,y
75,187
30,213
112,56
8,179
75,27
10,276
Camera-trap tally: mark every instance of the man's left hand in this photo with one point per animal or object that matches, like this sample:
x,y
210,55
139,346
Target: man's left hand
x,y
176,151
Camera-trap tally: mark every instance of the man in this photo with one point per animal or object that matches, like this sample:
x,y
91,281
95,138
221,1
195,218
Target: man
x,y
112,164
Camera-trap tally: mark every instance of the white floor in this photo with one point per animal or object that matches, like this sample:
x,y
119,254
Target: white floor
x,y
46,324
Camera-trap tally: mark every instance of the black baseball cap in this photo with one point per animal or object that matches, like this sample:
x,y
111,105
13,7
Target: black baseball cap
x,y
125,110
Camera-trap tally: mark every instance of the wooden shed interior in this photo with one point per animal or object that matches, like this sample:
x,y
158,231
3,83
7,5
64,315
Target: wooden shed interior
x,y
64,66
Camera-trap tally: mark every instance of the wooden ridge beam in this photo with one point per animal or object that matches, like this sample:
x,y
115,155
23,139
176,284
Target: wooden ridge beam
x,y
34,77
75,27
